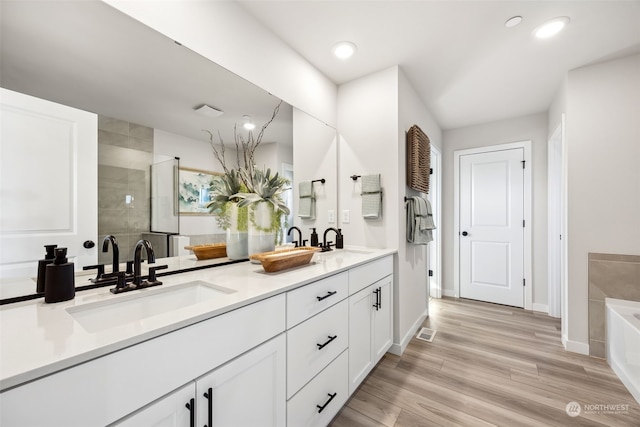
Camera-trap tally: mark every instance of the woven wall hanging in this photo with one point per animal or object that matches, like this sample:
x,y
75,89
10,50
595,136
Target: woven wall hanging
x,y
418,159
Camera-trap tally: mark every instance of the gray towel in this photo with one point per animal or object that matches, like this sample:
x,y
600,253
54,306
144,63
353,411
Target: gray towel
x,y
307,204
371,197
419,221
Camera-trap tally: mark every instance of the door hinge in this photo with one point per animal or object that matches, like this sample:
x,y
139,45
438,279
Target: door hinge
x,y
524,282
523,162
430,273
523,223
430,171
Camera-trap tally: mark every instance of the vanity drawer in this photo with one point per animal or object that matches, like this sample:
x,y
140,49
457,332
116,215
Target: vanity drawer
x,y
364,275
311,299
314,343
311,406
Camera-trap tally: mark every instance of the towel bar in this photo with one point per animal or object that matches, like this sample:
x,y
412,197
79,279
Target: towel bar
x,y
355,177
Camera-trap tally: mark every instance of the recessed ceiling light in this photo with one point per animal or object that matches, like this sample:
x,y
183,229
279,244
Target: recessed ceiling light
x,y
344,50
513,21
248,123
209,111
551,28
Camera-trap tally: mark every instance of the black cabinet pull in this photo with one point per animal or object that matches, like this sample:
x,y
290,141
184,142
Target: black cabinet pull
x,y
331,338
321,408
377,304
192,412
327,295
209,396
379,297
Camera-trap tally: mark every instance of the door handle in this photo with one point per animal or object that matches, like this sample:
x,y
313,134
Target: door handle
x,y
209,396
464,233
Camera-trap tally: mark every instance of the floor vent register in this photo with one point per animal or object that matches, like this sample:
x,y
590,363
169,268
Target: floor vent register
x,y
426,334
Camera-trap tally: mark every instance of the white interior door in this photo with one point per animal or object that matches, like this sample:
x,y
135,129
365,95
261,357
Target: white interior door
x,y
48,182
492,226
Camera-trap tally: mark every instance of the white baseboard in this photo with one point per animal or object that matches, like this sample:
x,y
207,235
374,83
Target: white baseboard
x,y
575,346
542,308
398,348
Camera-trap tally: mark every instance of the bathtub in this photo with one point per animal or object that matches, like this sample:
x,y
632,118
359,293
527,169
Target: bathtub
x,y
623,342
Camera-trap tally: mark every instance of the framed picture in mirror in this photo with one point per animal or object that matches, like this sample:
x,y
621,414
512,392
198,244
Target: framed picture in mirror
x,y
194,191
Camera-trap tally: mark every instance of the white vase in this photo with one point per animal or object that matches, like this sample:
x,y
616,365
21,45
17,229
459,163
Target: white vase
x,y
262,238
237,241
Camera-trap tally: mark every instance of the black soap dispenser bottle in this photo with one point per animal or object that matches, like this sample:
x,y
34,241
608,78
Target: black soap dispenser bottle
x,y
59,279
314,238
42,265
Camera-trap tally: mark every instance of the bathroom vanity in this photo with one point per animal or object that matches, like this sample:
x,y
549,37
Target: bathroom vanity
x,y
229,345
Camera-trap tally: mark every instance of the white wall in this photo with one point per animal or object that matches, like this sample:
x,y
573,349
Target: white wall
x,y
193,154
223,32
315,156
413,260
374,112
603,153
534,128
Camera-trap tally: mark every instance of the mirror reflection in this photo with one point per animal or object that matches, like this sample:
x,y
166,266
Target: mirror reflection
x,y
144,89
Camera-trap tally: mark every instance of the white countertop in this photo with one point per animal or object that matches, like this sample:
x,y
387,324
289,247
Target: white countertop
x,y
38,339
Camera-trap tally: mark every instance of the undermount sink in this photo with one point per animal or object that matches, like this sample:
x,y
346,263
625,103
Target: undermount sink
x,y
143,304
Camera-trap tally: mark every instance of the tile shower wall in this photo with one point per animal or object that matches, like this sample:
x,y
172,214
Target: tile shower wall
x,y
125,153
610,276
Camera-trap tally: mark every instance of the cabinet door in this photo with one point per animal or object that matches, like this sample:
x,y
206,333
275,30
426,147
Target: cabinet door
x,y
174,410
247,391
360,336
383,318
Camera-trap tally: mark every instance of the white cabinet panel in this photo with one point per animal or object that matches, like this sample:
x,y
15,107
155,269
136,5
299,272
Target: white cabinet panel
x,y
320,400
51,197
309,300
169,411
364,275
246,392
314,343
370,329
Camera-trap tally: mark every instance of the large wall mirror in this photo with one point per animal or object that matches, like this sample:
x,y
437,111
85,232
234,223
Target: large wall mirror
x,y
144,89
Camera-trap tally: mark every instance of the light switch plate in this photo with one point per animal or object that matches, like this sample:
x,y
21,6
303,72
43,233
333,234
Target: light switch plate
x,y
345,216
331,216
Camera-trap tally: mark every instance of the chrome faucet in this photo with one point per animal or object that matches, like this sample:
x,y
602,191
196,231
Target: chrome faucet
x,y
137,259
326,246
299,242
114,249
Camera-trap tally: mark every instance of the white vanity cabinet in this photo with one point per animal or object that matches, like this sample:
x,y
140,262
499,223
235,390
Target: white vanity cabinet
x,y
108,388
370,317
317,343
247,391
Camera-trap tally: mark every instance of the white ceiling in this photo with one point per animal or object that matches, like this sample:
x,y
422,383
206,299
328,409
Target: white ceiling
x,y
465,64
91,56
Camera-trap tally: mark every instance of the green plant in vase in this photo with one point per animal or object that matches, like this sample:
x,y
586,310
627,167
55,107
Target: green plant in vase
x,y
266,207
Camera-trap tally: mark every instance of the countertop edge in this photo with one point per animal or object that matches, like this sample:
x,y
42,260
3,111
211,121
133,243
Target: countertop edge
x,y
60,365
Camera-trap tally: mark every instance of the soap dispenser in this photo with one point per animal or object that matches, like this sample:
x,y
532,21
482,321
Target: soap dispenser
x,y
42,264
314,238
59,279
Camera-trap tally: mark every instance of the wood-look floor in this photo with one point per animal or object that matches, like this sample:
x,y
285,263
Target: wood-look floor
x,y
489,365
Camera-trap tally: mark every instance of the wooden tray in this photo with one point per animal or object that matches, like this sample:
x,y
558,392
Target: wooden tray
x,y
286,258
209,251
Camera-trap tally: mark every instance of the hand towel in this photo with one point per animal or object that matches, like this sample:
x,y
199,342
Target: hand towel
x,y
371,197
419,221
307,203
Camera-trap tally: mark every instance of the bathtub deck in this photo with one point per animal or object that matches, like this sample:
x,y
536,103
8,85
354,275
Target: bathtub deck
x,y
488,365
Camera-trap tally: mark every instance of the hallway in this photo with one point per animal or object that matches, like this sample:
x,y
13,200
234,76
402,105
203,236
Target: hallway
x,y
489,365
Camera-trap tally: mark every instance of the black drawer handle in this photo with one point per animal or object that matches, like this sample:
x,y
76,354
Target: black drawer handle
x,y
321,408
192,412
327,295
331,338
209,397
